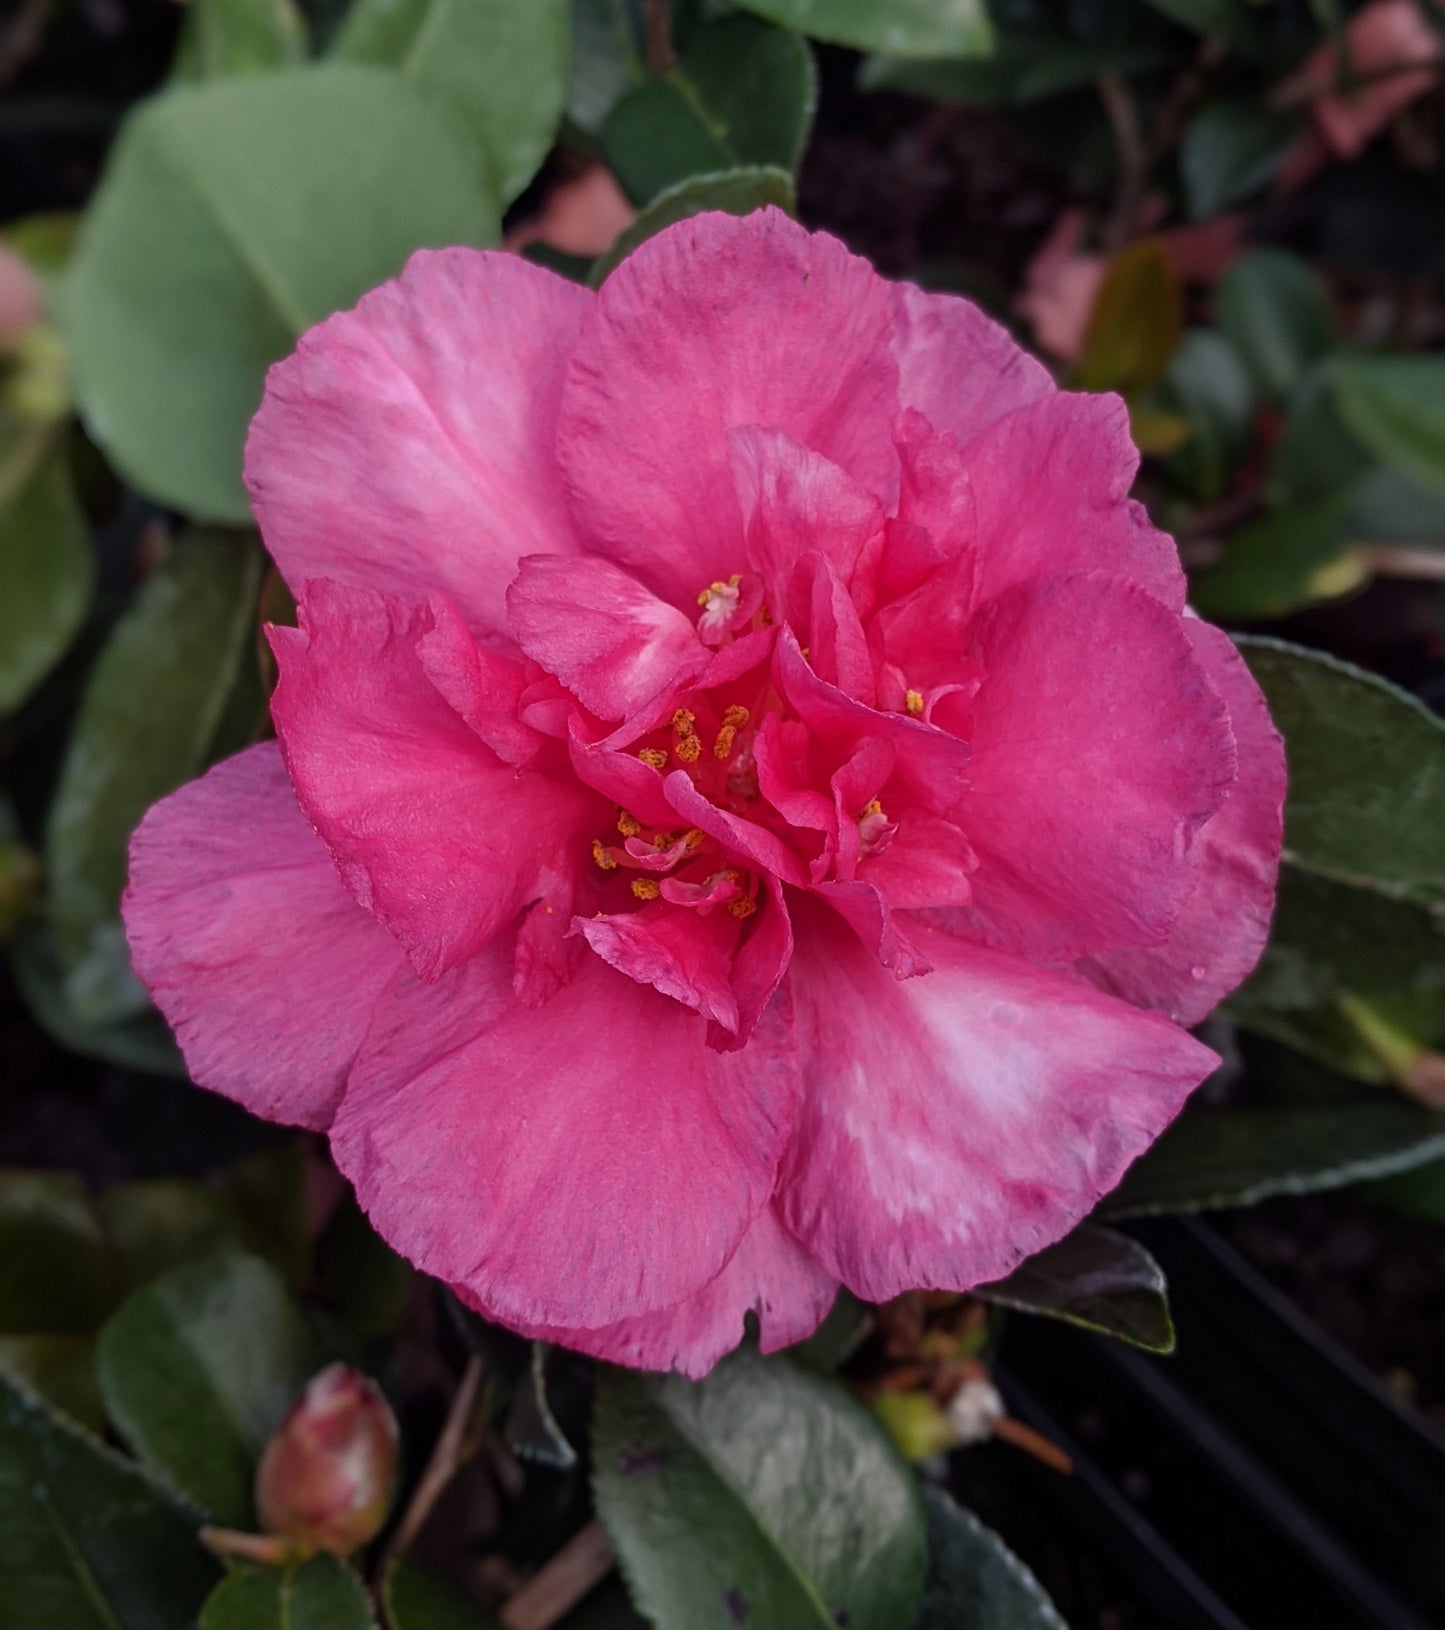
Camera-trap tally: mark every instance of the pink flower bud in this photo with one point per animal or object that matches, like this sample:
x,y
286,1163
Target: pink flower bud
x,y
324,1482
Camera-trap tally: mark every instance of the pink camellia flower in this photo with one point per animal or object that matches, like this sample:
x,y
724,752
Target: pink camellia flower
x,y
750,810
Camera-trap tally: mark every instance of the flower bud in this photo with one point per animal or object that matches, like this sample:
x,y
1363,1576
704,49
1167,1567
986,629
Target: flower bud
x,y
324,1482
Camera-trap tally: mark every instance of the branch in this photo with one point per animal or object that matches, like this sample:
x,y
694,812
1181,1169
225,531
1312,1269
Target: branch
x,y
1133,159
446,1457
657,19
582,1564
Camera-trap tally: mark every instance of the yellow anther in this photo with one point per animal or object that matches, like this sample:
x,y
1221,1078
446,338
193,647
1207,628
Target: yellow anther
x,y
662,840
742,909
914,702
628,825
692,840
683,721
606,860
653,756
724,743
736,717
645,889
874,807
689,749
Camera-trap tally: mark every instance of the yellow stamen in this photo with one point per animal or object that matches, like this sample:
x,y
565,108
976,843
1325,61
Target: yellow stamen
x,y
628,825
742,909
645,889
683,721
608,862
662,840
689,749
875,807
914,702
724,743
653,756
736,716
693,840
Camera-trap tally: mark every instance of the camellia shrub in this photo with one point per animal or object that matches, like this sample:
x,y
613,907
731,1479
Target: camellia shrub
x,y
632,816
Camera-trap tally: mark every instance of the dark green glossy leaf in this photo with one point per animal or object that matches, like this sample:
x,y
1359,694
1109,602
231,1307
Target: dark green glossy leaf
x,y
222,37
607,60
58,1273
1418,1193
231,217
1317,457
1096,1278
1275,312
161,1222
1021,69
1366,773
1278,563
974,1581
1232,1157
413,1599
737,192
495,69
903,28
198,1370
87,1540
148,716
763,1493
322,1594
139,1041
742,95
60,1370
1135,323
47,568
1231,150
1217,19
363,1280
1396,406
1388,507
1209,386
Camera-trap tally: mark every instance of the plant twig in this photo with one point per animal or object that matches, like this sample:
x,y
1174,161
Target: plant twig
x,y
1133,159
446,1457
657,20
582,1563
1314,90
1031,1442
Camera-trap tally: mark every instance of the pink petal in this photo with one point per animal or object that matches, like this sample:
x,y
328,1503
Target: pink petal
x,y
955,1123
957,367
675,950
409,443
1100,747
1221,932
1050,487
540,1157
431,831
264,966
769,1274
485,686
610,641
795,502
713,324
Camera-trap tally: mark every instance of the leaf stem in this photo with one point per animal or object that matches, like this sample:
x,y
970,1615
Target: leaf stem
x,y
556,1588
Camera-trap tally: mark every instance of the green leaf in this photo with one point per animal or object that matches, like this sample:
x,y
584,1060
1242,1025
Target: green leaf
x,y
1388,507
58,1369
1021,69
47,567
903,28
160,1223
413,1599
87,1540
231,217
974,1581
1418,1193
58,1273
1366,773
495,69
1229,151
222,37
1208,384
1275,311
198,1370
1224,20
1232,1157
1396,406
743,94
737,192
269,1193
1316,457
148,715
1278,563
363,1280
139,1041
763,1495
1135,323
322,1594
1098,1279
606,60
